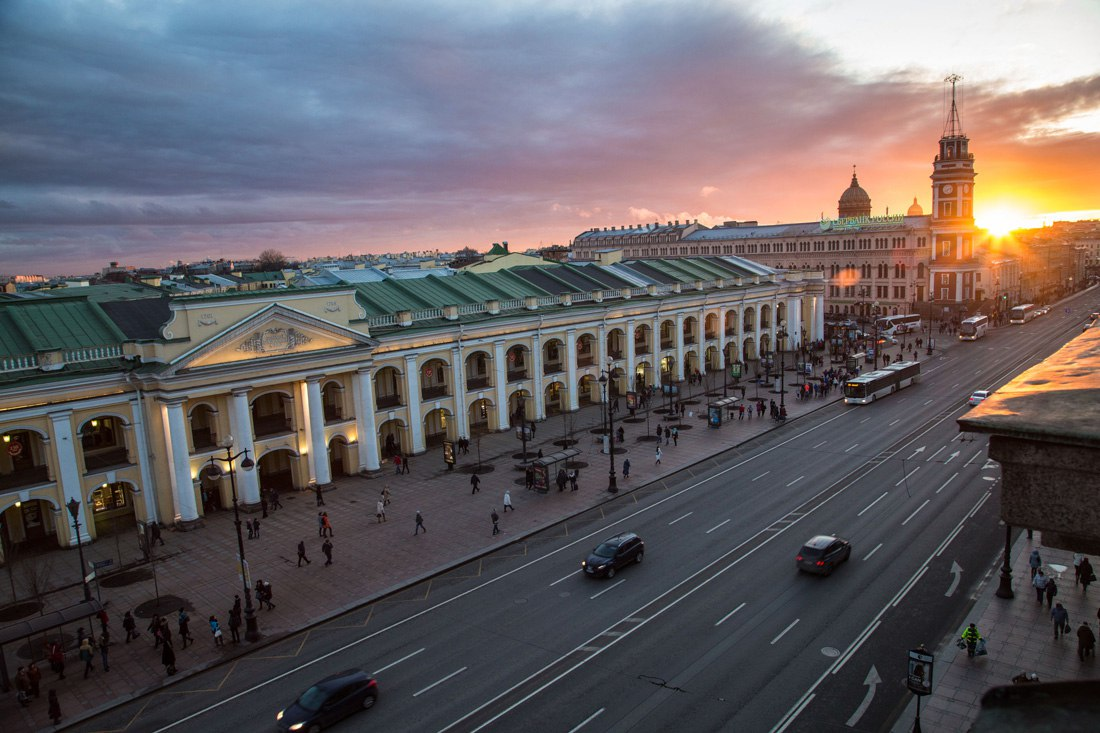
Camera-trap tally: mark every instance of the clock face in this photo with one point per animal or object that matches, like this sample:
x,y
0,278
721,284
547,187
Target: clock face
x,y
948,188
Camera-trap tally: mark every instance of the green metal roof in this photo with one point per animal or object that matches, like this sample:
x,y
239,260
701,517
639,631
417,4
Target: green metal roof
x,y
30,326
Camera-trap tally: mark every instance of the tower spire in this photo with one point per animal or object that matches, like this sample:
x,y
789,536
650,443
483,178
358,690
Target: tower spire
x,y
953,125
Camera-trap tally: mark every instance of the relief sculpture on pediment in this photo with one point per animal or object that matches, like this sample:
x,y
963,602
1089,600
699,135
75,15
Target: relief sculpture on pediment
x,y
274,340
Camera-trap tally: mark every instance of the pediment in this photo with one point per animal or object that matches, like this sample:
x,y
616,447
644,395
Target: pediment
x,y
276,331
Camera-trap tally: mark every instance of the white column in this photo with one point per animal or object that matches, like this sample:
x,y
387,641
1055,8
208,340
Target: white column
x,y
458,379
571,369
601,347
539,387
819,317
412,391
318,448
631,357
240,425
183,486
365,427
500,367
148,497
794,322
657,348
679,347
756,329
68,472
701,339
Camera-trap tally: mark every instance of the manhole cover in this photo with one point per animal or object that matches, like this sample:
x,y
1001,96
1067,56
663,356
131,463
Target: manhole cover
x,y
830,651
17,611
128,577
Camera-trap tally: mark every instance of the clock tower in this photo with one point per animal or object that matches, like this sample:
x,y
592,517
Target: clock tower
x,y
953,264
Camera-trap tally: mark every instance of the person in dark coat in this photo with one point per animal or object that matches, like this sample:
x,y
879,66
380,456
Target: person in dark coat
x,y
168,659
55,707
302,553
326,548
129,625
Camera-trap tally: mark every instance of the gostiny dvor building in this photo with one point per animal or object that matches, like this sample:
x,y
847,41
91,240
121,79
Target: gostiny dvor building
x,y
120,404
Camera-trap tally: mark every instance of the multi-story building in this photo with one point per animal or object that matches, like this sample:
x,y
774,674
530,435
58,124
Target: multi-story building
x,y
118,405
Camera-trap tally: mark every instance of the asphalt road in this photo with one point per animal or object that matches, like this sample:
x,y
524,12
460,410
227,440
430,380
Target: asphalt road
x,y
715,629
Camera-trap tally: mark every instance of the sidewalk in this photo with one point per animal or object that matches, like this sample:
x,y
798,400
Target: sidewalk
x,y
1020,638
198,569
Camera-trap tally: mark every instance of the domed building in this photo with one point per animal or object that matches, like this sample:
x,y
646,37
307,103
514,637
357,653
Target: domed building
x,y
854,201
915,209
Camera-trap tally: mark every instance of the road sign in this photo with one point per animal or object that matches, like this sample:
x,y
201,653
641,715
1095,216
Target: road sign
x,y
89,577
919,679
97,564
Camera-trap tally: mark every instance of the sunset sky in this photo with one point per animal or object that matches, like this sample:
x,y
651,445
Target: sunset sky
x,y
150,131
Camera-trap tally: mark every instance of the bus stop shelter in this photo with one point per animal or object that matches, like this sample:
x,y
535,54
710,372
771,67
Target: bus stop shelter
x,y
26,631
717,408
548,466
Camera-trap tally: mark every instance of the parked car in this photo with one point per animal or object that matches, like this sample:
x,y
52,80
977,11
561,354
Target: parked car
x,y
329,701
822,554
613,553
977,397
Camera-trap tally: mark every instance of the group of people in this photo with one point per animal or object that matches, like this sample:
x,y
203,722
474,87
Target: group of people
x,y
28,686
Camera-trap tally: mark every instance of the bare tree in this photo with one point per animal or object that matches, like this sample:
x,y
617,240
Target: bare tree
x,y
35,572
271,260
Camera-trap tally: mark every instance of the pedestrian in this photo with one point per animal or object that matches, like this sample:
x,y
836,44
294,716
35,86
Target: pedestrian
x,y
1060,616
380,511
658,455
1087,576
54,707
216,632
326,548
263,592
320,494
385,495
621,436
165,631
1039,582
263,503
397,464
86,655
675,436
129,625
496,518
248,525
529,477
405,464
56,657
474,482
234,627
970,637
184,622
104,642
540,453
668,435
1086,641
1077,558
103,621
256,526
1051,591
419,524
573,480
168,659
34,675
1035,561
155,530
626,468
326,525
23,687
273,498
562,479
237,603
508,502
302,553
320,524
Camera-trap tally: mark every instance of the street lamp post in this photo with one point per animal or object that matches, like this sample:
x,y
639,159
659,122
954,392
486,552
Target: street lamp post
x,y
522,409
612,488
252,629
1004,588
780,337
74,509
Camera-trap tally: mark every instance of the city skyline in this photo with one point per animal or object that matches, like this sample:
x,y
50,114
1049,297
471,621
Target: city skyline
x,y
196,130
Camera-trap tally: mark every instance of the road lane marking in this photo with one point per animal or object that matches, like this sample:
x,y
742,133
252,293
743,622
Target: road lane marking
x,y
972,459
945,483
876,501
677,519
440,682
782,633
377,672
612,587
928,402
942,447
854,446
872,552
587,720
729,614
717,526
562,580
906,476
908,587
795,481
821,444
894,423
864,420
761,475
922,506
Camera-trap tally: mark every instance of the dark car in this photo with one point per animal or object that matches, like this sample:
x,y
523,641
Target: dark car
x,y
330,700
822,554
613,553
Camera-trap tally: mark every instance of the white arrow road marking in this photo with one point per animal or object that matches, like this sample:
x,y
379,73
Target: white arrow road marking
x,y
957,572
917,452
872,681
990,464
951,457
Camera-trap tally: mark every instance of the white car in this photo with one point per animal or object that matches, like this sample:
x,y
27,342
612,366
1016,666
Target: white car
x,y
978,397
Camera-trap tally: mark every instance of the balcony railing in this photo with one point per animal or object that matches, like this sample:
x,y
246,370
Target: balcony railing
x,y
333,413
667,344
203,439
473,383
268,425
552,367
24,477
588,360
434,392
385,401
104,459
516,375
615,353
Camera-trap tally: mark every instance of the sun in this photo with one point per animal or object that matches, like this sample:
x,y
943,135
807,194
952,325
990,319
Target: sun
x,y
1001,221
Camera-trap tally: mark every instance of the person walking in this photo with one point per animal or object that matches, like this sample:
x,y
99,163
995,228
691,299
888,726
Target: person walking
x,y
1086,641
1039,582
380,511
263,503
34,676
302,553
405,464
573,479
168,659
104,622
326,525
104,642
54,709
658,455
320,494
320,524
129,625
184,622
386,495
419,524
234,627
529,477
56,657
971,637
273,498
508,502
475,481
496,518
675,436
1035,561
256,527
326,548
248,525
397,464
155,533
86,655
668,435
216,631
562,478
1077,558
1060,617
165,631
626,468
23,687
1087,576
1051,591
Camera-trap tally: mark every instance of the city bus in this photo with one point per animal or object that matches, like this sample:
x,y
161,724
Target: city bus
x,y
893,325
870,386
973,328
1023,313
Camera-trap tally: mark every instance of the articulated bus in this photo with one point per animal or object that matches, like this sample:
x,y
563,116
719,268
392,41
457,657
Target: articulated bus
x,y
973,328
870,386
1023,313
894,325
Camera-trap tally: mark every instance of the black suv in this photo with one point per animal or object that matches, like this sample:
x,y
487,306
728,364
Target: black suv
x,y
613,553
330,700
822,554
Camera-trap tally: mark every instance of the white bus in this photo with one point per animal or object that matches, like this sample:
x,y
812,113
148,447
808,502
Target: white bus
x,y
870,386
1023,313
893,325
973,328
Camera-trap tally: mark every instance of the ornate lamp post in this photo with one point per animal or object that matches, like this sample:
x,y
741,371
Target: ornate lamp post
x,y
252,629
780,337
74,509
522,410
611,486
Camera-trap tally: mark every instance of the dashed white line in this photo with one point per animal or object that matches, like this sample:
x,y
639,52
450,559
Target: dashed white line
x,y
761,476
864,420
945,483
876,501
928,402
929,458
717,526
922,506
784,631
854,446
821,444
729,614
795,481
587,720
894,423
610,587
560,580
906,476
377,672
677,519
972,458
439,682
872,552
